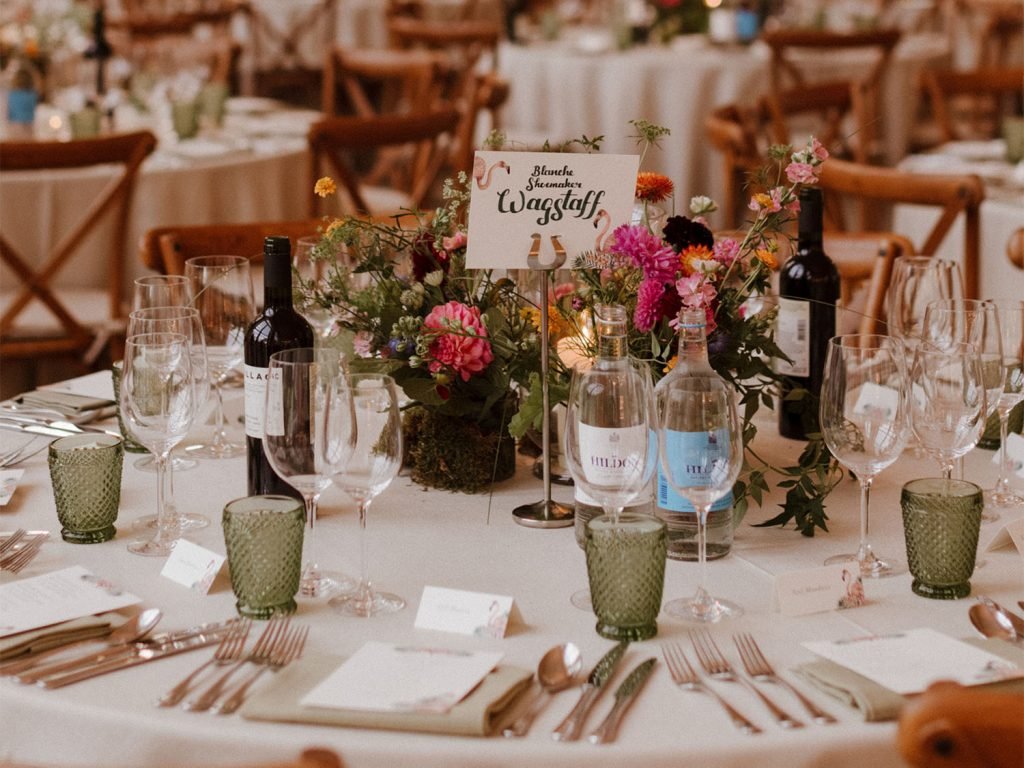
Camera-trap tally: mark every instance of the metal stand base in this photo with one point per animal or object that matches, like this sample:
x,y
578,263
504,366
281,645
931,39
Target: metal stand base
x,y
544,514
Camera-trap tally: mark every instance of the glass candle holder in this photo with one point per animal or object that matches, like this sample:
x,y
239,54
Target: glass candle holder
x,y
85,471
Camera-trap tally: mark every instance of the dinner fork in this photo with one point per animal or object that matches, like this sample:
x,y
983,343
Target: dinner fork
x,y
8,543
228,652
15,561
686,678
758,668
261,650
719,668
22,452
286,650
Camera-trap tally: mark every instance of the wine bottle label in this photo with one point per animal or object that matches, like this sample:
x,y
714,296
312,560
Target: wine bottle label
x,y
793,336
612,455
273,416
255,392
693,457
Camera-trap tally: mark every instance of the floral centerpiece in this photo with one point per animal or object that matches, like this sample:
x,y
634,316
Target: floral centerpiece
x,y
677,17
42,30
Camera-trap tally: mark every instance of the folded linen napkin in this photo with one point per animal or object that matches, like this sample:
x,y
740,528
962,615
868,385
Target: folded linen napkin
x,y
476,715
876,702
41,639
65,402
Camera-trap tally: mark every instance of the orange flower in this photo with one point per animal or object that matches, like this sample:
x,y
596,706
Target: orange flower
x,y
325,186
767,257
690,256
653,187
332,227
671,363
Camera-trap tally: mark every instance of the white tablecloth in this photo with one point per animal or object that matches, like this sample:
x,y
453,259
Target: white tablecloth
x,y
418,538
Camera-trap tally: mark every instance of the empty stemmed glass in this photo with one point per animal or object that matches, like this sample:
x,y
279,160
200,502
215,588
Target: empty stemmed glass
x,y
1011,329
700,446
311,272
222,289
916,282
157,402
308,435
374,463
863,418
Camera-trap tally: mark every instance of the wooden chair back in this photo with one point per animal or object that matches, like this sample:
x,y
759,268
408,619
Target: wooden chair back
x,y
864,261
35,273
734,131
373,81
337,144
818,109
149,19
996,30
971,104
867,187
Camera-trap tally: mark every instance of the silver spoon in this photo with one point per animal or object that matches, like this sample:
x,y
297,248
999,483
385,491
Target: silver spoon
x,y
556,671
133,629
1015,621
992,623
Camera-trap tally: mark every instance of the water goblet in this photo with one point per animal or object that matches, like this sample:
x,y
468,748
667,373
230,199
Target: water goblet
x,y
311,272
863,417
1011,330
373,464
308,434
157,395
916,282
223,295
700,442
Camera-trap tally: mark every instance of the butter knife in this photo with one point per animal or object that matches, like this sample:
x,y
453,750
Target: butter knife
x,y
624,696
571,727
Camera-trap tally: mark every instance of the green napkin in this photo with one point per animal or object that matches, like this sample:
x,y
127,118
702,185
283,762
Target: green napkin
x,y
476,715
876,702
36,640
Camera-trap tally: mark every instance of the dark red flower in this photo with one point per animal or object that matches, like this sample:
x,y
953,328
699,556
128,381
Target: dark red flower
x,y
426,258
681,233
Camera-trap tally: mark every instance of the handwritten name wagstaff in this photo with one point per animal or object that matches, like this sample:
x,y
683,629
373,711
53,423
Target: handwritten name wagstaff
x,y
552,207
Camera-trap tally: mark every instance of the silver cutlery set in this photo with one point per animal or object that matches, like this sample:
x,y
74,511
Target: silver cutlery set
x,y
19,549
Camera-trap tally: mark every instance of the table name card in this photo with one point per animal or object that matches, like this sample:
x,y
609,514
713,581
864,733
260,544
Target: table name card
x,y
39,601
1014,454
8,484
192,566
813,590
465,613
1010,535
516,196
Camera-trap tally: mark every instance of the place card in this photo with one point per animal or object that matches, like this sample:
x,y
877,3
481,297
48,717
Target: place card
x,y
813,590
517,197
1011,534
465,613
39,601
8,483
192,566
384,677
908,662
1014,453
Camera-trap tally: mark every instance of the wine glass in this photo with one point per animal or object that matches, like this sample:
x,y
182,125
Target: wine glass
x,y
311,271
374,463
223,295
947,407
863,417
916,282
157,401
1011,330
186,321
161,291
308,433
700,442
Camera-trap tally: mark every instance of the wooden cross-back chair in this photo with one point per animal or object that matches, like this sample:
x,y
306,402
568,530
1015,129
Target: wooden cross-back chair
x,y
996,29
970,104
869,188
73,323
142,19
337,141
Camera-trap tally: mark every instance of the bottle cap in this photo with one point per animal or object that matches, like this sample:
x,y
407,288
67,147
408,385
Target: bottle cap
x,y
277,262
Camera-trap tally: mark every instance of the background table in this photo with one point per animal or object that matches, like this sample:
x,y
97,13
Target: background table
x,y
419,537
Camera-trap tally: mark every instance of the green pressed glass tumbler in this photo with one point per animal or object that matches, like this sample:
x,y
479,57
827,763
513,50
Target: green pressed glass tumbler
x,y
263,538
941,522
85,471
626,568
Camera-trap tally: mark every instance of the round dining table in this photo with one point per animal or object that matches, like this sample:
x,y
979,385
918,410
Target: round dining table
x,y
419,537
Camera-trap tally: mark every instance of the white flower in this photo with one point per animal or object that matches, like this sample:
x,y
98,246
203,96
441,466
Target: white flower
x,y
702,204
434,278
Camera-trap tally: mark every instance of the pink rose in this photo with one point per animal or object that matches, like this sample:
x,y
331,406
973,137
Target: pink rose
x,y
454,242
818,150
800,173
459,339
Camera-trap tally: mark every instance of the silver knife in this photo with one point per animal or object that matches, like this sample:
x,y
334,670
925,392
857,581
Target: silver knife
x,y
624,696
571,727
59,424
34,429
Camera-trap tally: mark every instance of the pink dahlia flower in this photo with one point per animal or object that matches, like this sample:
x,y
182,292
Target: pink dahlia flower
x,y
460,339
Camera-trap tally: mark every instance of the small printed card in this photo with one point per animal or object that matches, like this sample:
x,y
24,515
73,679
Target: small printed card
x,y
69,593
908,662
813,590
1011,534
1014,454
465,613
192,566
520,196
384,677
8,483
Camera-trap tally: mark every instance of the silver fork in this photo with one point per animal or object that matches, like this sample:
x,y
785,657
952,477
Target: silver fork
x,y
287,650
260,651
228,652
718,667
757,667
22,452
8,543
15,561
686,678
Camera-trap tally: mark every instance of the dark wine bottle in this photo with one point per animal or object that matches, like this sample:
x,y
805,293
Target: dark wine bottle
x,y
808,309
278,327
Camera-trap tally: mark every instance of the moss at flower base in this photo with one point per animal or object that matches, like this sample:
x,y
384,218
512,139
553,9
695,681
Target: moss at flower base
x,y
455,453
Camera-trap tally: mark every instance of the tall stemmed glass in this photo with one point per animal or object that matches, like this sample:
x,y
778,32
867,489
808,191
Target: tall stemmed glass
x,y
157,401
373,465
1011,329
222,287
916,282
186,321
947,407
863,417
308,435
700,443
311,272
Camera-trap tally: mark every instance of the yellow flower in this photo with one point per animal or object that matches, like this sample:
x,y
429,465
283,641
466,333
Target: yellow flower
x,y
671,364
332,226
690,257
767,257
325,186
653,187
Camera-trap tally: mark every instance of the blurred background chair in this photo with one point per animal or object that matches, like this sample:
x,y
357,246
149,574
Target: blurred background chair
x,y
994,30
970,104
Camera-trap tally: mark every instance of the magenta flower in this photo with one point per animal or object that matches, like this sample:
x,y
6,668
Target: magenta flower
x,y
696,291
648,304
645,250
459,339
726,251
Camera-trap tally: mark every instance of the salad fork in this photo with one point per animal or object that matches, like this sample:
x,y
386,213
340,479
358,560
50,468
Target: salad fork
x,y
686,678
8,543
758,668
719,668
15,561
287,649
228,652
